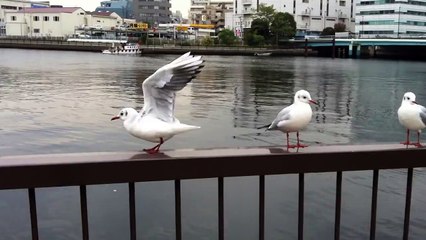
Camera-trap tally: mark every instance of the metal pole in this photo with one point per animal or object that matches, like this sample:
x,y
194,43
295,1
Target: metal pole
x,y
399,16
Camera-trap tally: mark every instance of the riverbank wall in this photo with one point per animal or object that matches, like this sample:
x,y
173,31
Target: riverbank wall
x,y
151,49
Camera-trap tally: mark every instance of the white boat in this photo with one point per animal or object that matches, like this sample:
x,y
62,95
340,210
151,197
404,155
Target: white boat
x,y
263,54
124,49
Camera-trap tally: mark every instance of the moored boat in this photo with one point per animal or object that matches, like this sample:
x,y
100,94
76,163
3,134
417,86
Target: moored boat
x,y
124,49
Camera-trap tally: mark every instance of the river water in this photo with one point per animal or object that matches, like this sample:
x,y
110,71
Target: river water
x,y
61,102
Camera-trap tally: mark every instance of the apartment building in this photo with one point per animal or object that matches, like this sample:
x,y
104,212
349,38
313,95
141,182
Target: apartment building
x,y
152,12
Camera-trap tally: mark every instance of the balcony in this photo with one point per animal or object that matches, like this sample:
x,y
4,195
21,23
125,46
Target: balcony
x,y
39,171
247,2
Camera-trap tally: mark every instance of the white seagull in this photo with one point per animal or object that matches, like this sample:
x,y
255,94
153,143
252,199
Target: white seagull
x,y
294,117
412,116
156,121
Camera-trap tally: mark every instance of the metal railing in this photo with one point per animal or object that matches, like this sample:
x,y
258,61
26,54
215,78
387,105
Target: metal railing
x,y
38,171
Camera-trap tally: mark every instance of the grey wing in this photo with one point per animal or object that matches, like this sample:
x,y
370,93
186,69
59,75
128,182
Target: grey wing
x,y
281,116
423,114
160,88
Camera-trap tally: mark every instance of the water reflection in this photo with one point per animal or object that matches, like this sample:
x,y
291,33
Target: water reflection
x,y
62,102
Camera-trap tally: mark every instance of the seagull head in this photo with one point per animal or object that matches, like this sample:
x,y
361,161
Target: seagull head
x,y
125,113
304,97
409,98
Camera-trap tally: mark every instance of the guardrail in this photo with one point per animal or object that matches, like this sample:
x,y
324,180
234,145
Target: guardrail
x,y
36,171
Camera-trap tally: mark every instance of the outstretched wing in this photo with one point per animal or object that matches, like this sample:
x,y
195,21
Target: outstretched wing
x,y
160,88
423,114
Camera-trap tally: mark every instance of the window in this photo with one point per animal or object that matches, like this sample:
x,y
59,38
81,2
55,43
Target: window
x,y
46,18
342,3
36,18
305,1
13,18
56,18
36,30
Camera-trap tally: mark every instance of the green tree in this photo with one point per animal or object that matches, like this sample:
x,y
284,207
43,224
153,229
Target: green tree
x,y
227,37
265,12
207,41
340,27
328,31
283,26
261,27
253,39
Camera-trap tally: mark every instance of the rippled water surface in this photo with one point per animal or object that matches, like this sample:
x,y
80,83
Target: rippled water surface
x,y
60,102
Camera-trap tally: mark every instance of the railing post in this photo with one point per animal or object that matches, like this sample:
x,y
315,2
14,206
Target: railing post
x,y
178,215
33,213
374,204
221,209
132,210
261,207
338,205
408,203
306,47
84,216
301,205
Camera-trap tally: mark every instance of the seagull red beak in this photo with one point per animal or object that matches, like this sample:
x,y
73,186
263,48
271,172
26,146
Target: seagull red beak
x,y
312,101
414,102
115,118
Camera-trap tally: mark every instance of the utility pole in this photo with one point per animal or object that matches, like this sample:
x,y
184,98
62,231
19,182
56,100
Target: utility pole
x,y
399,17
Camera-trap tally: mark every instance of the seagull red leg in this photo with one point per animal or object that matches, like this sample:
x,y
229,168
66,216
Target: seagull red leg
x,y
407,142
418,144
288,143
156,148
298,142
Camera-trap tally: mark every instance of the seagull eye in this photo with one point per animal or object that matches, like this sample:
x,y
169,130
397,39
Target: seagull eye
x,y
408,98
121,114
304,97
125,113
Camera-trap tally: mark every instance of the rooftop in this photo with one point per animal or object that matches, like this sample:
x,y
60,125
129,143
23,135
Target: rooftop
x,y
49,10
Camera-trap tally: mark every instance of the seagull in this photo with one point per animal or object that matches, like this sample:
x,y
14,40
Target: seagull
x,y
156,121
412,116
294,117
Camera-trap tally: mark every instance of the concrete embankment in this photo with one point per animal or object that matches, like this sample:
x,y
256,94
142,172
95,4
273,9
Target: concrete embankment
x,y
159,49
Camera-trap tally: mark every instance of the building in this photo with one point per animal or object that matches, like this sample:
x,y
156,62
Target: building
x,y
152,12
124,8
390,18
310,15
14,6
58,22
212,13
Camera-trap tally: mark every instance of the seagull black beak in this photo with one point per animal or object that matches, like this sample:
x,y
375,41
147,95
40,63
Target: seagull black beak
x,y
115,118
312,101
414,102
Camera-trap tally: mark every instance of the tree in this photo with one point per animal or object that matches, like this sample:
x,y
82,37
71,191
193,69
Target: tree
x,y
265,12
261,27
327,31
253,39
227,37
283,26
207,41
340,27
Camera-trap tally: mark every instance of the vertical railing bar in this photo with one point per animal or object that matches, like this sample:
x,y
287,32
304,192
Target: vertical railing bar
x,y
132,210
178,212
374,204
33,213
261,207
84,216
301,205
408,203
338,205
221,209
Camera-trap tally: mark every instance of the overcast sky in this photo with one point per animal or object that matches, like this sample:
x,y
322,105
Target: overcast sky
x,y
90,5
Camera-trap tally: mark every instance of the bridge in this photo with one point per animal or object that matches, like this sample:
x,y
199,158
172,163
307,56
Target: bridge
x,y
357,47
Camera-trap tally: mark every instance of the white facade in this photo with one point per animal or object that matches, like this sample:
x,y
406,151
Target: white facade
x,y
57,22
14,6
310,15
390,19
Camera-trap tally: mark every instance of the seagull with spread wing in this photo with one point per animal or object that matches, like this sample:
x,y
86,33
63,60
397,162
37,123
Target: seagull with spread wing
x,y
156,121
